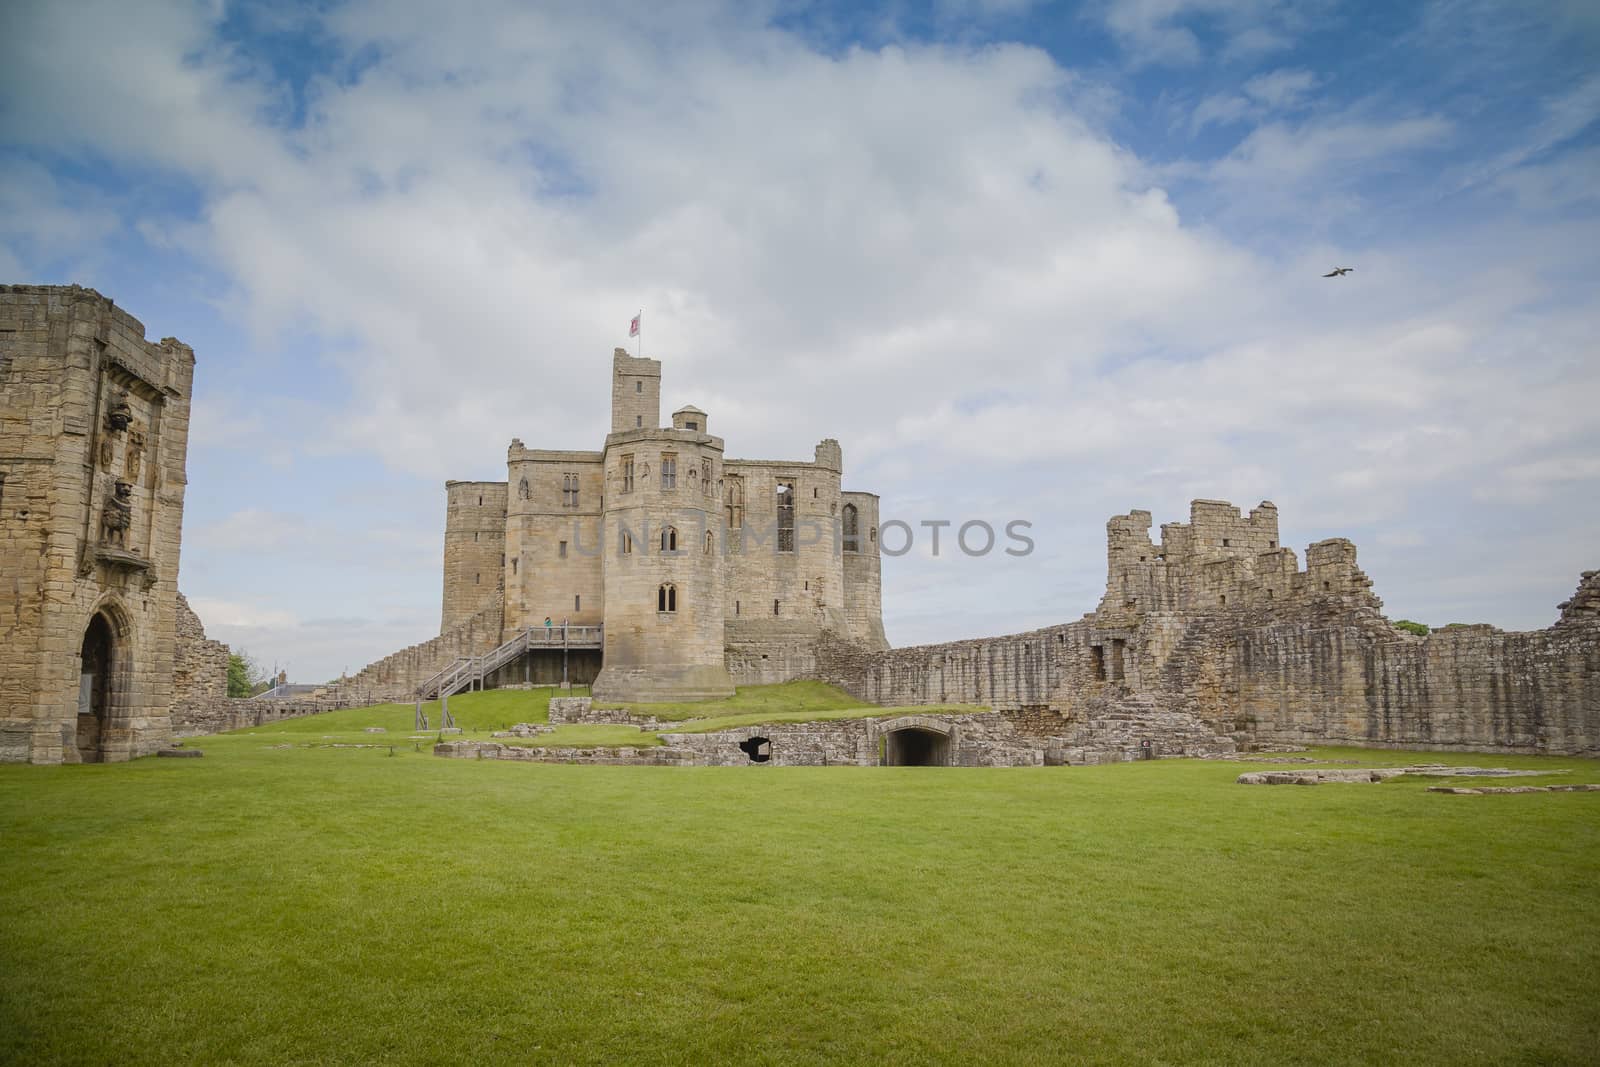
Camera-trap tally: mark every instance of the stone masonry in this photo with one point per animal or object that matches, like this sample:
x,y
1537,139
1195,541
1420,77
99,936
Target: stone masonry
x,y
703,570
1218,623
94,426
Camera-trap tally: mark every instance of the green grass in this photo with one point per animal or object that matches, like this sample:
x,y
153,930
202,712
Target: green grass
x,y
298,904
787,697
757,718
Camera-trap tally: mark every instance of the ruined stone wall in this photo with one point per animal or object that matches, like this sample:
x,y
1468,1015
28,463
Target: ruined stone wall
x,y
1358,680
1220,625
199,669
396,676
200,701
1113,731
863,563
94,424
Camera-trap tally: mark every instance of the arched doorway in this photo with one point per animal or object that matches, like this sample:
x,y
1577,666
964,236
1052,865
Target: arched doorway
x,y
914,746
96,686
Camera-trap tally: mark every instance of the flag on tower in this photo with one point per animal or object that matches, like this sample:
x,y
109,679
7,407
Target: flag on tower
x,y
633,327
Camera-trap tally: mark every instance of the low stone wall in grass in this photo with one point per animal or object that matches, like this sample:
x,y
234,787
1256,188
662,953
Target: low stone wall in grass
x,y
1028,737
236,713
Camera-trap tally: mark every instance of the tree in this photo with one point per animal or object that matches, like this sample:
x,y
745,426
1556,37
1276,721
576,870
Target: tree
x,y
1418,628
244,675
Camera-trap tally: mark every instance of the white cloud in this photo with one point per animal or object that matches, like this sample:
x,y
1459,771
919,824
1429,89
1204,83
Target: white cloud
x,y
1169,31
1263,95
935,254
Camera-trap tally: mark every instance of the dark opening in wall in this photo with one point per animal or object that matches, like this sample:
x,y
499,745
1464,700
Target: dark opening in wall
x,y
1118,646
562,551
785,502
759,749
775,607
577,602
513,568
1097,662
736,607
1272,544
916,747
1226,543
1224,599
1326,585
476,578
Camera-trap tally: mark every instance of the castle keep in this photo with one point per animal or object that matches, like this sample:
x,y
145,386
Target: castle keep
x,y
675,569
94,427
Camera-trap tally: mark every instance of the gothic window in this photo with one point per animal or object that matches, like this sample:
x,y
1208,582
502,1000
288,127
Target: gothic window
x,y
569,490
733,502
711,542
669,539
627,474
638,422
785,517
694,479
667,599
638,385
669,471
852,529
522,489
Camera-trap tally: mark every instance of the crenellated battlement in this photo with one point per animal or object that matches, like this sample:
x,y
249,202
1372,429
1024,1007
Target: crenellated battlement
x,y
1220,559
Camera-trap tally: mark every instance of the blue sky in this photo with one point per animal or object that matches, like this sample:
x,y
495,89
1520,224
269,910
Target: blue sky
x,y
1037,261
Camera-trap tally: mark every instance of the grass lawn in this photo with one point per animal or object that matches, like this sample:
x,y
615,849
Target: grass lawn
x,y
787,697
271,904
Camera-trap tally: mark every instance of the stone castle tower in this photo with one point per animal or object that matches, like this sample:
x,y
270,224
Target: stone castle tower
x,y
696,571
94,428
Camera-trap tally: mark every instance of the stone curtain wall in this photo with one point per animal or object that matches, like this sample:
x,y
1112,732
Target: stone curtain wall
x,y
396,676
1235,636
1474,688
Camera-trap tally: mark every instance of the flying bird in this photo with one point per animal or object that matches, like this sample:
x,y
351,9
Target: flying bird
x,y
1338,272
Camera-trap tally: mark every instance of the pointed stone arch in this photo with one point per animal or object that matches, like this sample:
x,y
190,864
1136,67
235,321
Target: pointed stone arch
x,y
105,674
